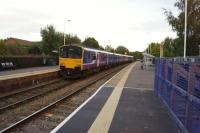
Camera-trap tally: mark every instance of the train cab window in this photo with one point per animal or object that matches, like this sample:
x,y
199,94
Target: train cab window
x,y
71,52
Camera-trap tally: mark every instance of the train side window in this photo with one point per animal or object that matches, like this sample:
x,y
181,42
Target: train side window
x,y
86,56
93,56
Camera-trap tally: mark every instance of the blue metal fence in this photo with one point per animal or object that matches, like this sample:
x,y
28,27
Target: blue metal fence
x,y
177,83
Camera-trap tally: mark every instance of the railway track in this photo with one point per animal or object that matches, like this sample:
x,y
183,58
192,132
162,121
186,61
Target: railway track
x,y
7,95
13,99
51,101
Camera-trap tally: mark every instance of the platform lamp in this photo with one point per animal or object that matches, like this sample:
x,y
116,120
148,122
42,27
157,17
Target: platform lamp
x,y
185,35
64,30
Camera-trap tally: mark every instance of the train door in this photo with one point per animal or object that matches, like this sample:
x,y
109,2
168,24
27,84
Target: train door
x,y
94,58
98,58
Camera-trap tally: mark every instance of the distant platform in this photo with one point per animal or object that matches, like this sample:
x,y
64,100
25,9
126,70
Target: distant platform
x,y
7,74
124,104
13,80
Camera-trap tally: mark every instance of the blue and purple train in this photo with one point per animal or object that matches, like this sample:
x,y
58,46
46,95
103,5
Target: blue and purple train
x,y
75,59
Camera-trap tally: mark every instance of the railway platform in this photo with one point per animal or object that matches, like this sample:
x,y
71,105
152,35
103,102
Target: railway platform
x,y
20,78
25,71
125,103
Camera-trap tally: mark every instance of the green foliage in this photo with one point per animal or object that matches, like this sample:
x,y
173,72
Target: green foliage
x,y
2,48
122,50
155,49
52,39
169,47
101,47
193,27
178,47
35,49
90,42
173,47
109,48
20,49
72,39
136,55
16,49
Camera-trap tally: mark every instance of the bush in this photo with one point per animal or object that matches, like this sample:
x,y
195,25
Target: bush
x,y
2,48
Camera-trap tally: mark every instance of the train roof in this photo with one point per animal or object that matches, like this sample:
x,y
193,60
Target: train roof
x,y
96,50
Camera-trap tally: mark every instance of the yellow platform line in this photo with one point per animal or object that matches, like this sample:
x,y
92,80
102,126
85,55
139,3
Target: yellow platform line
x,y
104,118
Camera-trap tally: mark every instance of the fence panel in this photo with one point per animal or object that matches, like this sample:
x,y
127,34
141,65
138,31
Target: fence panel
x,y
177,83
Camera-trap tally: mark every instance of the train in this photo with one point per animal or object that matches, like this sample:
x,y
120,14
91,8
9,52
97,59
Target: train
x,y
76,59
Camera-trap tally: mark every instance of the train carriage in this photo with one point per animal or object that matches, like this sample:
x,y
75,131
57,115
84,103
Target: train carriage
x,y
75,59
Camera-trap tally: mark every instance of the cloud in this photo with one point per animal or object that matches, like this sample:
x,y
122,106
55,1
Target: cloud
x,y
124,22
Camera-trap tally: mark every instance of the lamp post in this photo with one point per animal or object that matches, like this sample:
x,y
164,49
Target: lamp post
x,y
161,49
64,30
185,36
149,45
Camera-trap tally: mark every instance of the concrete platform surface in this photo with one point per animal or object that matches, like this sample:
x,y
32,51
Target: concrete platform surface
x,y
9,74
24,70
124,104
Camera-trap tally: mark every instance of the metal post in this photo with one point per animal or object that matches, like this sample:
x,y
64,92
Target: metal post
x,y
64,34
185,36
161,50
64,30
150,49
199,50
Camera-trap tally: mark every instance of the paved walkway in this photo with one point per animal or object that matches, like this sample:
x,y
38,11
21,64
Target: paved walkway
x,y
125,104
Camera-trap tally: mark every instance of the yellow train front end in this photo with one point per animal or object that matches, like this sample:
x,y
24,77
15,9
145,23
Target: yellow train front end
x,y
71,60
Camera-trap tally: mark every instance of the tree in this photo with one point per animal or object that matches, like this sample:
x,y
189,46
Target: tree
x,y
50,39
72,39
136,55
35,49
193,27
16,49
101,47
169,48
122,50
2,48
109,48
154,49
90,42
173,47
69,39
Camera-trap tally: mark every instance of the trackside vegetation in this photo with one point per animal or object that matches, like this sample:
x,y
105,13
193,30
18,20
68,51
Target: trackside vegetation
x,y
174,46
50,43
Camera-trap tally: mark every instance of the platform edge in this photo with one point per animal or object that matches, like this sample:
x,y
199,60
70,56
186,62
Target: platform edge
x,y
84,103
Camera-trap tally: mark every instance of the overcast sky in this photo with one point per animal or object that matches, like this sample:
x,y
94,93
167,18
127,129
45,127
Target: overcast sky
x,y
132,23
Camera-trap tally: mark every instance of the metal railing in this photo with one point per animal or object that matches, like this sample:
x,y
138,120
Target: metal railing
x,y
177,83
